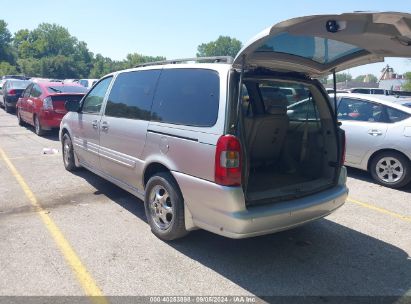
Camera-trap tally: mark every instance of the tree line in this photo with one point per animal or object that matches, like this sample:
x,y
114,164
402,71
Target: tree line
x,y
50,51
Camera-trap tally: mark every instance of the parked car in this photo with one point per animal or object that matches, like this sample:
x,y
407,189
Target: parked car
x,y
203,154
376,91
87,83
378,134
20,77
42,104
11,92
331,91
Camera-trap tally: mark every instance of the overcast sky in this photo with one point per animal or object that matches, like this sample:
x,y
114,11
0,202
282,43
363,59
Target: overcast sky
x,y
174,29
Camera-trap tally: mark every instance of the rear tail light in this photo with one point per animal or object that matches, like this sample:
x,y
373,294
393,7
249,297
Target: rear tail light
x,y
47,103
12,92
228,161
343,147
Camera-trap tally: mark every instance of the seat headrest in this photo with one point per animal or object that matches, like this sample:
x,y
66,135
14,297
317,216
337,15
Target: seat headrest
x,y
277,110
276,104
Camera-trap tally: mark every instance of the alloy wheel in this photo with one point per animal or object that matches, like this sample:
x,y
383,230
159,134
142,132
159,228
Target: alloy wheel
x,y
389,169
161,207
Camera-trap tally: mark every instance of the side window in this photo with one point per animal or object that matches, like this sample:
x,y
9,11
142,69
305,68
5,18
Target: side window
x,y
94,100
132,94
26,93
303,110
360,110
395,115
35,91
187,97
246,102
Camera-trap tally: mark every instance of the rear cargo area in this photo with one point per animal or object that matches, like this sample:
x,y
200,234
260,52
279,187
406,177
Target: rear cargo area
x,y
290,141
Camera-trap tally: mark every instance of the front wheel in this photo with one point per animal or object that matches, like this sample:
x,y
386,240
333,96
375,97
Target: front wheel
x,y
164,206
68,153
391,169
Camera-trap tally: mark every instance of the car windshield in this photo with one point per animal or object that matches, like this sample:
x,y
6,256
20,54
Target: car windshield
x,y
66,89
19,84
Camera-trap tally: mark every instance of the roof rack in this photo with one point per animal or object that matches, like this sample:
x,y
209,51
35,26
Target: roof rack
x,y
215,59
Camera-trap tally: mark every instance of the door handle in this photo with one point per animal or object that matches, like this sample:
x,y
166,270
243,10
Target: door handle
x,y
104,126
94,123
375,132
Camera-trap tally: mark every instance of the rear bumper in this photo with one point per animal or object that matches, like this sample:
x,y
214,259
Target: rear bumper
x,y
222,209
11,101
50,119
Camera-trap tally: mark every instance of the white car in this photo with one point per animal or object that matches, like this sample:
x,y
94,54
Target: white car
x,y
378,132
87,83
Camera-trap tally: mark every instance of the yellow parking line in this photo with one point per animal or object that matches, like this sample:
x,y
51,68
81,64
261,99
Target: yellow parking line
x,y
86,281
381,210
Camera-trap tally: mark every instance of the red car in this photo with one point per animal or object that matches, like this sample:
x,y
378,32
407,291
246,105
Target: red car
x,y
42,104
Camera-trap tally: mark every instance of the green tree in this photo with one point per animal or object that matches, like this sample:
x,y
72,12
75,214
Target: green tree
x,y
6,53
101,66
7,69
407,85
371,78
341,77
134,59
223,46
50,51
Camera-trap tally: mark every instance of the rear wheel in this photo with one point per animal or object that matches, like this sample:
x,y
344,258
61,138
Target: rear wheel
x,y
6,107
37,126
391,169
164,206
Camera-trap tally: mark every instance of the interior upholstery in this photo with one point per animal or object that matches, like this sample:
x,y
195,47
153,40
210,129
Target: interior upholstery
x,y
267,131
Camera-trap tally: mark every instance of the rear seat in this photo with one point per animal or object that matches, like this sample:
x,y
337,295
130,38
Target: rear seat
x,y
267,132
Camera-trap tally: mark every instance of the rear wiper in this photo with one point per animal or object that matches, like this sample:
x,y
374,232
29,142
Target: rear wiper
x,y
55,90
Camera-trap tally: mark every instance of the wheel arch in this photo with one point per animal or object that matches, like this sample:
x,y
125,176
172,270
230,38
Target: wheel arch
x,y
382,151
153,168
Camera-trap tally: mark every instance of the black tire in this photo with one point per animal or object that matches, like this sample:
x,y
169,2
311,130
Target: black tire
x,y
68,153
19,120
174,226
393,161
7,108
37,126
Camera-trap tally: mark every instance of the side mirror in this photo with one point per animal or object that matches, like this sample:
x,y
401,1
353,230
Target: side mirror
x,y
72,106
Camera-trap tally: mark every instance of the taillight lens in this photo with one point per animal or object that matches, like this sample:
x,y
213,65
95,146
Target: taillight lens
x,y
228,161
47,103
12,92
343,146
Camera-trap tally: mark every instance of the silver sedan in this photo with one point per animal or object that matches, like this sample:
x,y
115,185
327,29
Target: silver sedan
x,y
378,136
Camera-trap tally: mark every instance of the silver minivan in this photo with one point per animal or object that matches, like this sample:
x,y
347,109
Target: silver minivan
x,y
214,143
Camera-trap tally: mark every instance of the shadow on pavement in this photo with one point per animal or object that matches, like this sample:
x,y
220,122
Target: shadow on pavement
x,y
366,177
322,258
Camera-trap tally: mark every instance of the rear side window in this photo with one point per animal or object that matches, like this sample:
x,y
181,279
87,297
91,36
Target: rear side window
x,y
132,95
187,97
360,110
395,115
